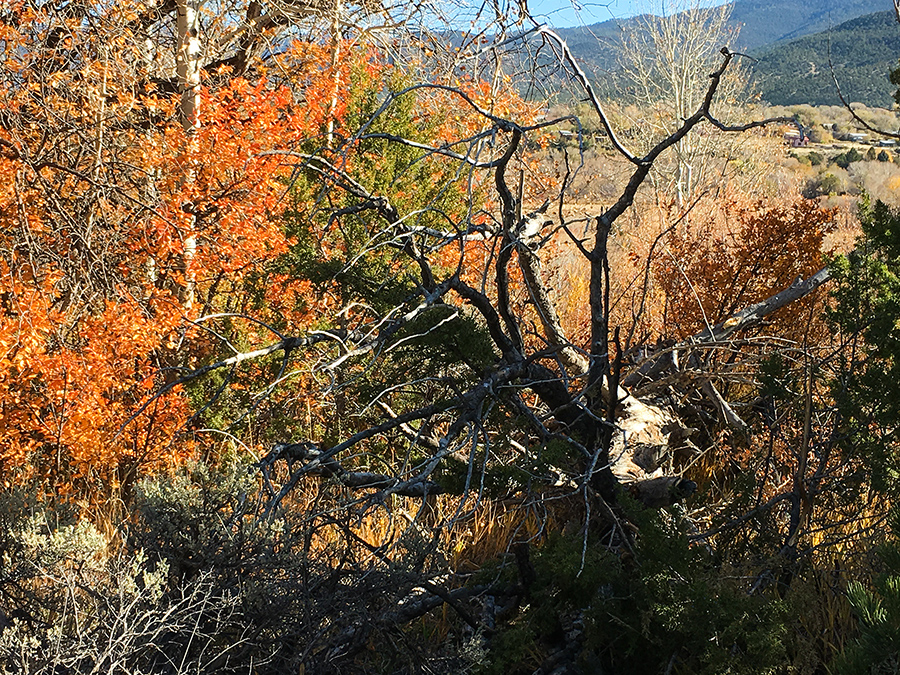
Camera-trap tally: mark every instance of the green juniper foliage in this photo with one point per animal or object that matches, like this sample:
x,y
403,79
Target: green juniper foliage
x,y
669,608
877,650
866,316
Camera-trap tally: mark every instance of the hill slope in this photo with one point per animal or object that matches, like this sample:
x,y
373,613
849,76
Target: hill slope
x,y
761,22
764,22
863,51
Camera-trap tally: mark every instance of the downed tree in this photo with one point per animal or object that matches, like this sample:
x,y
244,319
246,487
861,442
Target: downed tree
x,y
556,392
657,364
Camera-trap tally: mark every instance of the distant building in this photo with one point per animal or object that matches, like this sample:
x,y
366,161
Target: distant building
x,y
857,138
796,139
887,143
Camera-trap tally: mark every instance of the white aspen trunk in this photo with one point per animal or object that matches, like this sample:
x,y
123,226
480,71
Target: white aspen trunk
x,y
100,118
335,59
187,65
151,196
667,56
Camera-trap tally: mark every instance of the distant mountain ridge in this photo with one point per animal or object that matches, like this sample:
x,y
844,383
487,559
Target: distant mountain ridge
x,y
786,32
764,22
862,52
761,22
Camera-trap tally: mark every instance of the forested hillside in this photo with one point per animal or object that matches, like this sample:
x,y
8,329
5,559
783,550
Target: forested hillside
x,y
767,22
860,54
325,350
753,24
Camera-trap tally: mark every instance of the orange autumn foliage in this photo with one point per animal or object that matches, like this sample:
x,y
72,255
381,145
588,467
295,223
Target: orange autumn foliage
x,y
96,211
93,217
719,258
740,254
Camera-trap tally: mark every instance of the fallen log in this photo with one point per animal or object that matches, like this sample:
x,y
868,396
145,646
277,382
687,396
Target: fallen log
x,y
657,364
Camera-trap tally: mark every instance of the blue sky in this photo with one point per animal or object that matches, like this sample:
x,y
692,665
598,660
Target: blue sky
x,y
563,13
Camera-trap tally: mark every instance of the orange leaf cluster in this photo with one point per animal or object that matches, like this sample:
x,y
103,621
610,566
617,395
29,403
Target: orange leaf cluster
x,y
740,254
94,215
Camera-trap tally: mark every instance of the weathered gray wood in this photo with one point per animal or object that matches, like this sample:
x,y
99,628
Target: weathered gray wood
x,y
750,316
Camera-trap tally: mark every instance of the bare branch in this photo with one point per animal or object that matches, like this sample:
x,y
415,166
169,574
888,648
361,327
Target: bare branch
x,y
737,322
853,113
594,100
320,463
